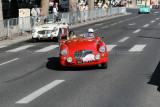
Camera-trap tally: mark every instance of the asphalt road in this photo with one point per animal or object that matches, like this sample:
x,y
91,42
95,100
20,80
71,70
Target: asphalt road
x,y
31,76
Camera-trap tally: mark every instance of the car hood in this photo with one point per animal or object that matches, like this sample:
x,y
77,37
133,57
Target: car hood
x,y
81,44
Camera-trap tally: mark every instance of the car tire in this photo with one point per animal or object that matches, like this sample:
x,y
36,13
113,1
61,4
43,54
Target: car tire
x,y
104,65
35,40
59,35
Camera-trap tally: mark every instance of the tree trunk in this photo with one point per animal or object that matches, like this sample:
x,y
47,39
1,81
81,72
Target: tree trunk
x,y
1,10
73,2
45,7
91,4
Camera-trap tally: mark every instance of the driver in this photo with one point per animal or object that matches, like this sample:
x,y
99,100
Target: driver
x,y
71,35
46,21
90,32
58,20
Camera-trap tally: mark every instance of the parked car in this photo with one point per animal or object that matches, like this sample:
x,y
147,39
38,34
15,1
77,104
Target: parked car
x,y
50,30
83,51
144,9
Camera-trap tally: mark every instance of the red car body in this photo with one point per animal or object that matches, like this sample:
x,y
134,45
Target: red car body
x,y
83,52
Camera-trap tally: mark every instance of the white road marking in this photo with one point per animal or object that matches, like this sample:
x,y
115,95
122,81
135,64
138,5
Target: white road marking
x,y
95,29
105,27
152,21
157,18
138,30
110,47
155,12
123,39
137,48
9,61
131,24
39,92
113,24
20,48
98,24
47,48
146,25
2,46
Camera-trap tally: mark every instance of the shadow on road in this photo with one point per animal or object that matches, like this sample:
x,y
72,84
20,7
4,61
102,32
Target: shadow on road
x,y
155,78
54,64
148,37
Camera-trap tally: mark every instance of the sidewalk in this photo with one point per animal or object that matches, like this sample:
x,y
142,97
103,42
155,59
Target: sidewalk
x,y
28,36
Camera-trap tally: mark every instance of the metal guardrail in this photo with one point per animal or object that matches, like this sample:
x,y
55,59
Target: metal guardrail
x,y
13,26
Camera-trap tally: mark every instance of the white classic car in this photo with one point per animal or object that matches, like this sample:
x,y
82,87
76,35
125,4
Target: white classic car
x,y
50,30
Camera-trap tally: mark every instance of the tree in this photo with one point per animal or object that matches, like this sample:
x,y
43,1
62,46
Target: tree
x,y
91,4
45,6
1,10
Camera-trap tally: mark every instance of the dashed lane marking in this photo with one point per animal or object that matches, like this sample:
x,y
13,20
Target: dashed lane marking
x,y
20,48
152,21
9,61
51,47
39,92
146,25
138,30
104,27
137,48
123,39
110,47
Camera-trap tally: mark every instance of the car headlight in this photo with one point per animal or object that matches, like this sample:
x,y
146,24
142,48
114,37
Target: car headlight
x,y
64,52
33,30
97,57
55,29
102,49
69,59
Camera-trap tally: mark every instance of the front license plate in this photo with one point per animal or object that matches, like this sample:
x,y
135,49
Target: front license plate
x,y
83,62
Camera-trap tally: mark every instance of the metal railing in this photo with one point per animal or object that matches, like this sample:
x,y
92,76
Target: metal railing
x,y
11,27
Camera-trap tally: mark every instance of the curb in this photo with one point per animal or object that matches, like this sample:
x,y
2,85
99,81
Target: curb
x,y
21,39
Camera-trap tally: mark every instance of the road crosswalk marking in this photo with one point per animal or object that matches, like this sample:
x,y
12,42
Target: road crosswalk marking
x,y
110,47
46,49
20,48
39,92
123,39
137,48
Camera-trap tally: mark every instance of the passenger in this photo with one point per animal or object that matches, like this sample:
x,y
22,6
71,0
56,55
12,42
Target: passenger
x,y
90,32
71,35
46,21
58,20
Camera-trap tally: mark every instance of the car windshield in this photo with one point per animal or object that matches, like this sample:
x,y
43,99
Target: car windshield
x,y
88,35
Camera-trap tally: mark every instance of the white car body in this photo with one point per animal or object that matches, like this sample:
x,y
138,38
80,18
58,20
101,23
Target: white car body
x,y
50,31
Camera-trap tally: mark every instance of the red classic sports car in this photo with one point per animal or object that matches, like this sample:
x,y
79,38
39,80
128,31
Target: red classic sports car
x,y
83,51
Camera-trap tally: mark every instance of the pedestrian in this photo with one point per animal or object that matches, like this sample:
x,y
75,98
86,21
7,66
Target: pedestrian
x,y
71,11
105,6
82,12
86,12
34,15
55,12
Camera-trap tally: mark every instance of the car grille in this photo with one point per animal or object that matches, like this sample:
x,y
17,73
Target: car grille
x,y
45,32
82,53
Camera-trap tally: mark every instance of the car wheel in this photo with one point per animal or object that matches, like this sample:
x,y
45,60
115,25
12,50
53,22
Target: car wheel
x,y
104,65
35,40
59,36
